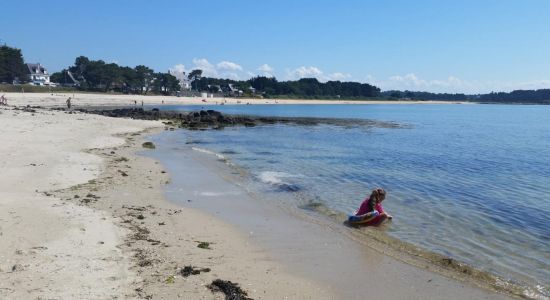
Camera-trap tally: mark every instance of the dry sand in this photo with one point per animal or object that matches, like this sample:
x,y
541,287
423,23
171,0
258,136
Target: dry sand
x,y
83,217
58,99
78,224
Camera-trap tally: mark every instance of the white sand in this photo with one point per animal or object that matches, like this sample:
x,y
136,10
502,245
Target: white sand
x,y
80,99
54,247
50,248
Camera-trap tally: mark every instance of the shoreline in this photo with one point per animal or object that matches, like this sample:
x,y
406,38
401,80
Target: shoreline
x,y
107,189
379,243
85,99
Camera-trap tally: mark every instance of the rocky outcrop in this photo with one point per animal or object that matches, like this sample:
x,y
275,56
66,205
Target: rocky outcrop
x,y
205,119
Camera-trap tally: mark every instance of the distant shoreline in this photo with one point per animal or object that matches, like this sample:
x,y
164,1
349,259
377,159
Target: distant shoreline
x,y
101,99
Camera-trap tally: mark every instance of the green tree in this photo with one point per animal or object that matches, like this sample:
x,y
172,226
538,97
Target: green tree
x,y
165,83
145,78
12,66
61,77
194,76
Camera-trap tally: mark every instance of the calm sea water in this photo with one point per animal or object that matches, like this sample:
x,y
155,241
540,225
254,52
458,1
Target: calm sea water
x,y
468,181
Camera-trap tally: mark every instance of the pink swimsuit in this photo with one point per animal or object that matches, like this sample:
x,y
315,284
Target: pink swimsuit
x,y
366,208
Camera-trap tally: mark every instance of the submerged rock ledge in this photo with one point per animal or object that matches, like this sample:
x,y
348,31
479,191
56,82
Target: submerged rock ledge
x,y
211,119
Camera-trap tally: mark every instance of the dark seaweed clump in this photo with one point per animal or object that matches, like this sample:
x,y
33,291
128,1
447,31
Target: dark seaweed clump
x,y
148,145
231,290
190,270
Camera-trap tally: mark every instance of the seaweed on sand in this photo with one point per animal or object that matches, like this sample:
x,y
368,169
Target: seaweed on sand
x,y
148,145
231,290
204,245
190,270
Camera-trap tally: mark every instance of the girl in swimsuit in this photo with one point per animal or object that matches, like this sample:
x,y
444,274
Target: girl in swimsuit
x,y
373,207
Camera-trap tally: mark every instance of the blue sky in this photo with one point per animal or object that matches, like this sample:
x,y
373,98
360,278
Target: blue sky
x,y
441,46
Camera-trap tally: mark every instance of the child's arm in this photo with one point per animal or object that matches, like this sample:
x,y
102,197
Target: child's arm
x,y
380,209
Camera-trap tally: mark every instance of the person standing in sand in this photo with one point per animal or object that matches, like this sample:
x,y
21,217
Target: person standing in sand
x,y
3,100
68,103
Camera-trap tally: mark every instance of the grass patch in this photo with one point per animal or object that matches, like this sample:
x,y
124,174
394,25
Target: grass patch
x,y
171,279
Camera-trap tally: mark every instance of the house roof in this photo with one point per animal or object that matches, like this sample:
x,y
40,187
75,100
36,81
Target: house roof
x,y
36,69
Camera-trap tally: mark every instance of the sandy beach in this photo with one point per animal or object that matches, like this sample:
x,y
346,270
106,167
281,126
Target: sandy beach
x,y
84,216
88,99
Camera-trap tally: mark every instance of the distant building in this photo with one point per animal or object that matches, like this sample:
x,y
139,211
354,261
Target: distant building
x,y
38,75
185,83
233,91
215,88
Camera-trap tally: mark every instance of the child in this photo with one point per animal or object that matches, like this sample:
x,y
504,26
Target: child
x,y
371,212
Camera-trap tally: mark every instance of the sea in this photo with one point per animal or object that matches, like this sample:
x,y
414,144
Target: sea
x,y
466,181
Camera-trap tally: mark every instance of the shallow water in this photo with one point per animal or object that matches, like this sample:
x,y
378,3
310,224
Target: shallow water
x,y
468,181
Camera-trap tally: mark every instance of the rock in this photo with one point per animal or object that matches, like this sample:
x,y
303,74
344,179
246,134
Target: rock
x,y
148,145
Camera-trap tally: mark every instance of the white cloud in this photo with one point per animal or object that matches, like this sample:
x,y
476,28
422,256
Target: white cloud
x,y
179,68
411,81
223,69
232,75
208,69
314,72
338,76
265,68
231,66
453,84
178,71
305,72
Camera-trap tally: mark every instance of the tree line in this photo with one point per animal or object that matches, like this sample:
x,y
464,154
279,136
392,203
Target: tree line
x,y
97,75
395,95
12,66
307,88
518,96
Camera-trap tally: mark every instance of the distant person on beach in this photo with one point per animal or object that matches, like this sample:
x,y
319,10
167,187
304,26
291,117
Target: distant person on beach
x,y
68,103
135,102
373,207
3,100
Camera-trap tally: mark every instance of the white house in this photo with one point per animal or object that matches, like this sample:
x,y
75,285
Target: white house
x,y
38,75
185,83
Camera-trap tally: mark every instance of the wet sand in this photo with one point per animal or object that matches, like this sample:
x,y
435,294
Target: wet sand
x,y
305,244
